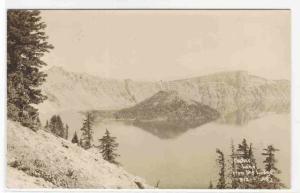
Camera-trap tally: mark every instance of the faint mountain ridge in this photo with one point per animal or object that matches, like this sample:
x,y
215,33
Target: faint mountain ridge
x,y
226,92
79,91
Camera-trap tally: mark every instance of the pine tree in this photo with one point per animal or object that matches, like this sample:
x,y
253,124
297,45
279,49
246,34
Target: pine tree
x,y
59,127
66,132
26,44
244,171
52,124
221,162
253,176
233,175
250,152
243,149
272,181
108,148
87,131
47,125
75,138
56,126
246,166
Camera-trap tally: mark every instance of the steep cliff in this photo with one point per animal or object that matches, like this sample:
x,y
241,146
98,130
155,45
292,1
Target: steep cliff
x,y
226,92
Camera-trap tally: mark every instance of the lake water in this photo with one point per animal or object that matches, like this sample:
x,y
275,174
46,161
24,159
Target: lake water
x,y
188,160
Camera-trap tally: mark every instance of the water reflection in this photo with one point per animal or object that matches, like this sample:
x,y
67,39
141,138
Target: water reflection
x,y
188,159
242,116
167,129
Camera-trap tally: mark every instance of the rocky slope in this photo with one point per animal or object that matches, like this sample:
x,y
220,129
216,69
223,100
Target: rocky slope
x,y
71,91
226,92
42,160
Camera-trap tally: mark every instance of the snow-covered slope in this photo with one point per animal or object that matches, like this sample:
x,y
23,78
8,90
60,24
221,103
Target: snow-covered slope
x,y
226,92
42,160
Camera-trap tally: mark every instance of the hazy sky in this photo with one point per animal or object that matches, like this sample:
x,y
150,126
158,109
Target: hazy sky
x,y
154,45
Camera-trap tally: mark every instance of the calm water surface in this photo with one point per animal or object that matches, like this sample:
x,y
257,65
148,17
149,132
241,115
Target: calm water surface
x,y
188,160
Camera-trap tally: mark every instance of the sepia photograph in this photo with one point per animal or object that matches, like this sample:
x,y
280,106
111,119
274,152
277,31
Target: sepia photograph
x,y
148,99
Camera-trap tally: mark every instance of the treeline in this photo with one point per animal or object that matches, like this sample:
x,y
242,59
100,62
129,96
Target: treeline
x,y
108,145
56,126
26,45
242,171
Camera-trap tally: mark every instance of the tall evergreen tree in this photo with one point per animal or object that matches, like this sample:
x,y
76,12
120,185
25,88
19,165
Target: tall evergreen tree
x,y
221,162
75,138
108,147
233,175
250,152
254,170
87,131
245,173
272,181
56,126
211,186
252,159
66,131
246,166
47,125
26,44
243,149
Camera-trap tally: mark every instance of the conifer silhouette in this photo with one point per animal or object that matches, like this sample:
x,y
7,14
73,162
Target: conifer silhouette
x,y
108,147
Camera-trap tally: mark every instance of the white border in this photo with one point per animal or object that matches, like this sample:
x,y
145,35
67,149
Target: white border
x,y
294,5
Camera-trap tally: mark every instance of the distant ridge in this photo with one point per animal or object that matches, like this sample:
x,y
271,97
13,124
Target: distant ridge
x,y
225,92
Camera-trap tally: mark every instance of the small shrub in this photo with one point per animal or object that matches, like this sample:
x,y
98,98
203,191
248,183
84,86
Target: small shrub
x,y
15,164
38,168
70,173
38,163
